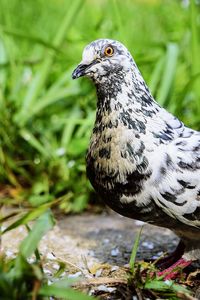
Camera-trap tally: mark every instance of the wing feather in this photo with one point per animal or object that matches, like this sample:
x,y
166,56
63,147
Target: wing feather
x,y
177,179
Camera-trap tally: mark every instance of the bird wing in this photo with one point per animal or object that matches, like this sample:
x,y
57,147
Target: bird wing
x,y
176,178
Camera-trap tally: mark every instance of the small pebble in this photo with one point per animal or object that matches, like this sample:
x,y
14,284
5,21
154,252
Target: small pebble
x,y
106,241
63,274
114,268
111,289
156,256
98,273
56,266
31,260
51,256
75,275
91,292
3,227
46,271
91,253
148,245
10,253
87,275
49,282
139,223
115,252
104,288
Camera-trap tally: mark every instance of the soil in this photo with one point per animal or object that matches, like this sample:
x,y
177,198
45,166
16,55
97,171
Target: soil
x,y
107,237
95,246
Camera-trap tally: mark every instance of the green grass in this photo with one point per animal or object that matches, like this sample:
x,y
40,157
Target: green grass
x,y
143,279
46,118
22,279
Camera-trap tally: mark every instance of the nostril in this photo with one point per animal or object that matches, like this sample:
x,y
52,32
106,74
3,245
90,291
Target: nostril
x,y
83,67
79,71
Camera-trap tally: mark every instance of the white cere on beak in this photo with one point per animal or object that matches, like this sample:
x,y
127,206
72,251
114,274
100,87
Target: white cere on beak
x,y
88,55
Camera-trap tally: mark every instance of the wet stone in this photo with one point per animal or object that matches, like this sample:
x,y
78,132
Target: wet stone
x,y
104,238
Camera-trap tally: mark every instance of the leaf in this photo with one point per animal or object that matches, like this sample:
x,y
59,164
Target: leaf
x,y
195,48
31,215
39,80
37,200
50,99
61,289
34,39
43,224
69,127
77,146
34,142
158,285
9,216
167,285
169,72
134,251
156,74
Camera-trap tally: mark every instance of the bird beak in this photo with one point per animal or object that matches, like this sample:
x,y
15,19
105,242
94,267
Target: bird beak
x,y
79,71
82,69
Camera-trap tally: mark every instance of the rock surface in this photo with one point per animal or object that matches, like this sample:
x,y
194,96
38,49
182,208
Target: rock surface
x,y
96,248
104,238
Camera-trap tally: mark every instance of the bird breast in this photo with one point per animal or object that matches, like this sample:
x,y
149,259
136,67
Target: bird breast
x,y
115,151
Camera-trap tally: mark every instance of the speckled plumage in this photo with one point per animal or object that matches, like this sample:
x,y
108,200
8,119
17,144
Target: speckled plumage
x,y
142,161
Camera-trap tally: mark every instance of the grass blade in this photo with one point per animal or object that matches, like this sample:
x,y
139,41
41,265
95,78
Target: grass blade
x,y
134,251
50,99
156,75
40,78
195,49
34,39
30,216
168,285
69,127
43,224
169,73
61,289
29,137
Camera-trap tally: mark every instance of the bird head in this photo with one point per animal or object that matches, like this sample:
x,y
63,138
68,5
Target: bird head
x,y
102,58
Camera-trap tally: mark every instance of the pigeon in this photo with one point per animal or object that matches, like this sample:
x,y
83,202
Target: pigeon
x,y
142,161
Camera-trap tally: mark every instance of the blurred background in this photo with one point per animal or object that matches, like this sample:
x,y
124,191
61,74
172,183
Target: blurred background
x,y
46,118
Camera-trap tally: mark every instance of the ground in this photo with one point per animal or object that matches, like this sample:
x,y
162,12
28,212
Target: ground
x,y
97,247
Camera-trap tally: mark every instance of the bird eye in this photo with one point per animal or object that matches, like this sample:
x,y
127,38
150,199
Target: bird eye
x,y
109,51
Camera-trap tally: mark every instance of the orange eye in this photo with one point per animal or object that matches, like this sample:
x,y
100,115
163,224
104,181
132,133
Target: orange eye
x,y
109,51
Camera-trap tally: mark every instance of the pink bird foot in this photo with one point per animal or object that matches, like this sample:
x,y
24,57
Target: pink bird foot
x,y
172,258
174,270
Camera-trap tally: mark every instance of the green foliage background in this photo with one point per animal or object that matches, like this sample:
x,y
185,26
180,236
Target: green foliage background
x,y
46,118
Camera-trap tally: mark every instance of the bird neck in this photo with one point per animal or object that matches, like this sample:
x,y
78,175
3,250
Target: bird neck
x,y
129,126
124,98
